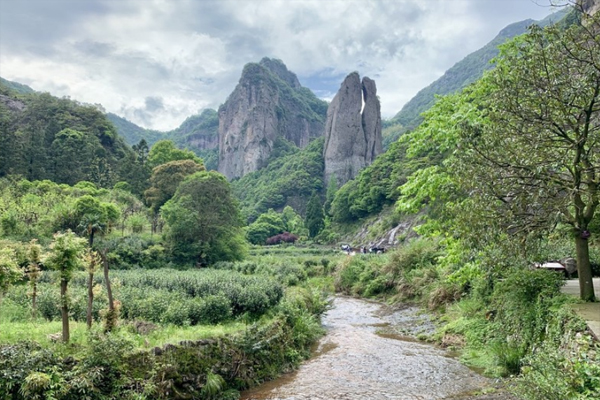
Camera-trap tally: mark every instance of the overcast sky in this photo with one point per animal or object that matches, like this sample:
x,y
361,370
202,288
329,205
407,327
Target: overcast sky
x,y
156,62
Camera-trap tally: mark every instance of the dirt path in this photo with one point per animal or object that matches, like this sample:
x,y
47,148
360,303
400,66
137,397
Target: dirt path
x,y
590,312
356,361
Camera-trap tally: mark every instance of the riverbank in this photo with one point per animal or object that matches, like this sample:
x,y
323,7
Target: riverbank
x,y
370,352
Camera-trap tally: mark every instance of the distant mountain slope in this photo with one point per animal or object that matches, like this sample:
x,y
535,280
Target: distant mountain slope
x,y
460,75
16,87
290,178
198,133
133,133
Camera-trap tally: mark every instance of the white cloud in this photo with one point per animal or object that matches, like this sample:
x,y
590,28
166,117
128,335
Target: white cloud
x,y
189,54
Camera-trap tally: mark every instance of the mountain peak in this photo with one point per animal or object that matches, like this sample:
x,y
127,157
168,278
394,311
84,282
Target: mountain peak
x,y
278,68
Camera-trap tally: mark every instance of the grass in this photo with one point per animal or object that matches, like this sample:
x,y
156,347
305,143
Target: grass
x,y
38,331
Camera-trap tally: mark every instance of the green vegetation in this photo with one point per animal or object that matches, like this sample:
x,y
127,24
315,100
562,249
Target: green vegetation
x,y
16,87
288,180
43,137
201,128
203,221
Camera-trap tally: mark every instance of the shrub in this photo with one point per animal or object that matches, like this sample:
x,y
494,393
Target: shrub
x,y
284,237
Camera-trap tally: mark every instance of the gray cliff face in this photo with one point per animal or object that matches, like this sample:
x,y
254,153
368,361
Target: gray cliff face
x,y
352,137
12,104
203,141
266,105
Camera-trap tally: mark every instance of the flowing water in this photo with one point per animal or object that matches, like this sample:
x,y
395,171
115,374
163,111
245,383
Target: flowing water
x,y
368,354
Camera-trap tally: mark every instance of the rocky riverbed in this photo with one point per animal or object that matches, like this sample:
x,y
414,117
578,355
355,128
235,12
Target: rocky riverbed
x,y
370,352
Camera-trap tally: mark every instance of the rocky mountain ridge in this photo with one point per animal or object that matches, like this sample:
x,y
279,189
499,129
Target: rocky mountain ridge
x,y
267,104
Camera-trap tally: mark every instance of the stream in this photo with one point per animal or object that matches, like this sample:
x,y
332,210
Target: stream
x,y
368,353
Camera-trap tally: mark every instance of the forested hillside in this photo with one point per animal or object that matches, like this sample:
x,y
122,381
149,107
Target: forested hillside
x,y
44,137
198,133
289,179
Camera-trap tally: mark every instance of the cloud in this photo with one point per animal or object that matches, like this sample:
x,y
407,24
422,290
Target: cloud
x,y
158,61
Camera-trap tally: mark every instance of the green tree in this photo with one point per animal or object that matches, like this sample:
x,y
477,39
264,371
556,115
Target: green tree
x,y
203,220
34,272
95,216
164,151
293,221
315,219
537,162
9,270
266,225
65,257
166,178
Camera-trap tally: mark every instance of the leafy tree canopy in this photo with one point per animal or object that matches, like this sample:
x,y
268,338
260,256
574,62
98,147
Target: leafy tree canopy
x,y
165,151
203,221
166,178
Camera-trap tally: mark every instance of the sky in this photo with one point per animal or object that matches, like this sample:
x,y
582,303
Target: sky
x,y
156,62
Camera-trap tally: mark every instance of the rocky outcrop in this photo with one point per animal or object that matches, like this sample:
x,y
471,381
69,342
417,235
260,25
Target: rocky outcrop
x,y
590,7
267,104
198,131
12,104
352,130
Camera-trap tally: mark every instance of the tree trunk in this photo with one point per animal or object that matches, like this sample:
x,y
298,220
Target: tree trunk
x,y
34,300
90,301
111,316
111,303
64,309
584,269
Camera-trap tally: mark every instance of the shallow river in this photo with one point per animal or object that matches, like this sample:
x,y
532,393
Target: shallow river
x,y
365,356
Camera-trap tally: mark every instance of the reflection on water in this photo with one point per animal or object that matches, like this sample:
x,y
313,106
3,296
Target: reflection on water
x,y
366,355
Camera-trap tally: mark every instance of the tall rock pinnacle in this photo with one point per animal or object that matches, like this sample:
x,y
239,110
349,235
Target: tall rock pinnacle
x,y
352,130
267,105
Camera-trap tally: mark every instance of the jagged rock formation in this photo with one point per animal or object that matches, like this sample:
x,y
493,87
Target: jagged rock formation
x,y
590,7
352,130
267,105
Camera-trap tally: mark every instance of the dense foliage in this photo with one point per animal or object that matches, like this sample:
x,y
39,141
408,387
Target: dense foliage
x,y
288,180
203,221
44,137
373,188
197,133
111,366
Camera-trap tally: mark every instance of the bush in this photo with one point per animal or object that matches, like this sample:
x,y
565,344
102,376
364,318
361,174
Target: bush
x,y
167,296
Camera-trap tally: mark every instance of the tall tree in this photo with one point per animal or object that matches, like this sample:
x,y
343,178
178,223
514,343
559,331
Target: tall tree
x,y
537,162
166,178
203,220
315,219
165,151
65,257
94,216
